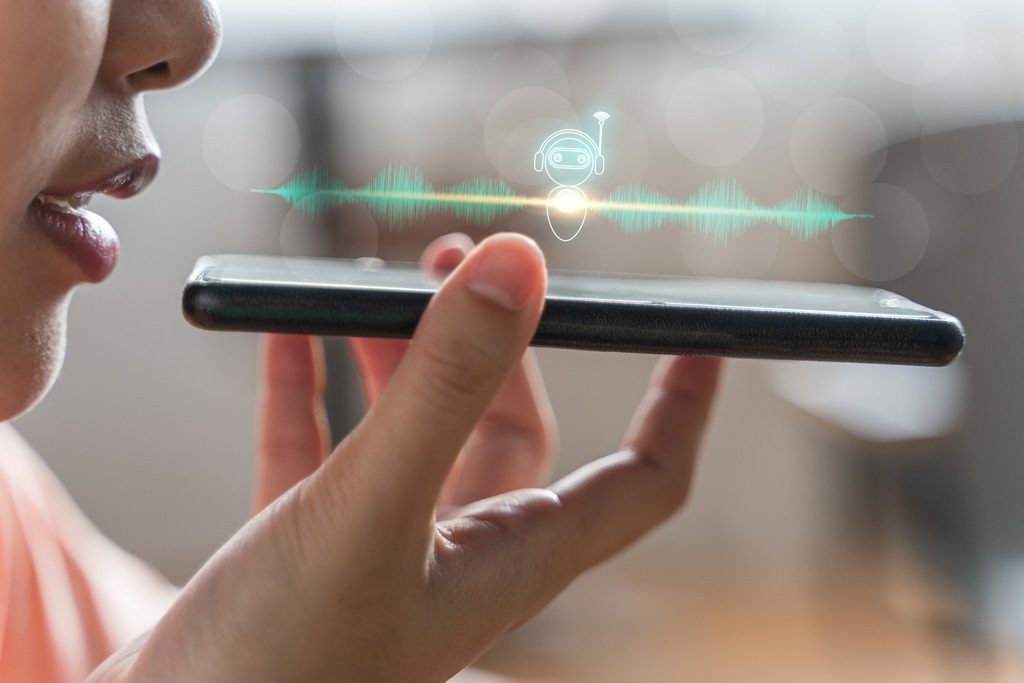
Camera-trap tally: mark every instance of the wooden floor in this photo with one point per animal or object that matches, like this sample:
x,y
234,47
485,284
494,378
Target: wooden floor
x,y
845,626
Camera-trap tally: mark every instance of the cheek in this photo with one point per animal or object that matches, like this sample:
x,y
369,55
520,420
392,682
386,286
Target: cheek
x,y
31,352
51,52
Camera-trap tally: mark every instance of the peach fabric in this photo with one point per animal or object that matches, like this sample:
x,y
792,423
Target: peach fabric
x,y
68,596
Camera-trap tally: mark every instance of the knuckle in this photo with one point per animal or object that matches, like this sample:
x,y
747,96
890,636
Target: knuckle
x,y
455,370
674,497
512,531
678,495
521,525
519,512
673,484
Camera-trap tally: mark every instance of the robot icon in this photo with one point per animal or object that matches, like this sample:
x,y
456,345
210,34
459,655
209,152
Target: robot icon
x,y
570,157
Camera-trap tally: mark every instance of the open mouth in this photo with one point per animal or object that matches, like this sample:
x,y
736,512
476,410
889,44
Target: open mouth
x,y
82,235
57,203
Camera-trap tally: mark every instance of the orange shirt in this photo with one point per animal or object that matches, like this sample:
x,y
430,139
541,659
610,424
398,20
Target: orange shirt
x,y
68,596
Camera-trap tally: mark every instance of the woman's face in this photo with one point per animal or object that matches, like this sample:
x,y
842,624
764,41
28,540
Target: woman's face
x,y
72,124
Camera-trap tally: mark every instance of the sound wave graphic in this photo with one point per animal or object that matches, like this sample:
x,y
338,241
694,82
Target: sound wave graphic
x,y
721,210
400,196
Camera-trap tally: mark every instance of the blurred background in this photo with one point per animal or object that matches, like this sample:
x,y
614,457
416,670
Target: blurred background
x,y
848,523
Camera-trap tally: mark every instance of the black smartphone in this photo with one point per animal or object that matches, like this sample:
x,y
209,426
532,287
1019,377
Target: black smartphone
x,y
640,314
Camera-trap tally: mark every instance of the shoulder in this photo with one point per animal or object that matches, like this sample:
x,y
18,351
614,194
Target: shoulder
x,y
34,490
24,478
108,592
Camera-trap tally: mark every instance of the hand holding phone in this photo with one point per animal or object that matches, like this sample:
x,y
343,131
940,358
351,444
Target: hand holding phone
x,y
357,573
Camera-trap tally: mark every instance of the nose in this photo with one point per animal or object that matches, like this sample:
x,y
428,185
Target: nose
x,y
158,44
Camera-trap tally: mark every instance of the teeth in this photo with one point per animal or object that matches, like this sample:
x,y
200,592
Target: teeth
x,y
54,201
62,203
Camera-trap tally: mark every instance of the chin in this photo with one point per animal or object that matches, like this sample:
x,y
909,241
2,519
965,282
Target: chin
x,y
31,354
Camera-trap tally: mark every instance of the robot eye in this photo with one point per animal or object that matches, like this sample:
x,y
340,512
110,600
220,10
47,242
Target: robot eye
x,y
581,159
558,157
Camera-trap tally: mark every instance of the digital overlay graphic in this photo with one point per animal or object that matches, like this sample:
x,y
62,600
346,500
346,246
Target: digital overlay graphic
x,y
400,196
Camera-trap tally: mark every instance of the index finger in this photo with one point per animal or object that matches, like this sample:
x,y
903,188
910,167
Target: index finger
x,y
541,539
294,434
615,500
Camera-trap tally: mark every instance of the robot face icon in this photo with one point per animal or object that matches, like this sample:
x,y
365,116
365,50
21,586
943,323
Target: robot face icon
x,y
570,157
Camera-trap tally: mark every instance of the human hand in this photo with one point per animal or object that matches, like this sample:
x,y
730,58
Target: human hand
x,y
353,575
512,445
510,448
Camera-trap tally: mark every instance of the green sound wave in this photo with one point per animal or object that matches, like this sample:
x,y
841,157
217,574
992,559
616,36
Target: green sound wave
x,y
400,196
720,210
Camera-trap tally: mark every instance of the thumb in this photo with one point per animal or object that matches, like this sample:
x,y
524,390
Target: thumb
x,y
473,333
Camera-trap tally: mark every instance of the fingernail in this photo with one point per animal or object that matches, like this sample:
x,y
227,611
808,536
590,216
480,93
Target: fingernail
x,y
445,254
446,261
505,271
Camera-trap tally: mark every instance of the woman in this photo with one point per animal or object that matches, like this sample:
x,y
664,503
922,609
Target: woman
x,y
403,555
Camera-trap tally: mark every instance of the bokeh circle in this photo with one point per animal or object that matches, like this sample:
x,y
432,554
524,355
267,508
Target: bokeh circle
x,y
915,41
556,21
408,28
717,27
969,143
626,148
837,145
888,245
251,141
517,124
715,117
972,160
511,69
801,55
512,154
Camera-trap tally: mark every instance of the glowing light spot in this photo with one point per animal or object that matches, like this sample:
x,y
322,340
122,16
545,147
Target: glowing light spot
x,y
570,201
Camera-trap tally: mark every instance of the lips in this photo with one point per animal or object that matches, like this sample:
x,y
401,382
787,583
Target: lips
x,y
82,235
127,182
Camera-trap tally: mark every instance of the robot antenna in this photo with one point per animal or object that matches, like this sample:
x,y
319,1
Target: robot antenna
x,y
601,117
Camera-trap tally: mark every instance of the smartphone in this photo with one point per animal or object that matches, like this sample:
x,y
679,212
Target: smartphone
x,y
600,312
